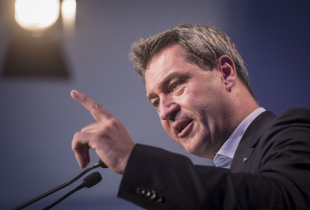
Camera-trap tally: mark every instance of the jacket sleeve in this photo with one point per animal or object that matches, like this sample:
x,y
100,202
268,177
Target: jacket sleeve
x,y
158,179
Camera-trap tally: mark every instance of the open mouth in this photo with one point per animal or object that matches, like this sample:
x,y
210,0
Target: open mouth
x,y
183,125
185,128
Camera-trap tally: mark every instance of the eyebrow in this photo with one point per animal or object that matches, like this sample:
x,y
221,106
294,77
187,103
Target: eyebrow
x,y
167,80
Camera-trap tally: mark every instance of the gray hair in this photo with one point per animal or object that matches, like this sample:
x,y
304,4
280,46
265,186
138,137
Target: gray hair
x,y
202,45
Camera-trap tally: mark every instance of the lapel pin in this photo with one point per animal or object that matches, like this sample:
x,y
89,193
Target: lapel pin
x,y
245,160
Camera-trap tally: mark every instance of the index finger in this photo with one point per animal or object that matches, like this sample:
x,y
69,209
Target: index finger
x,y
98,111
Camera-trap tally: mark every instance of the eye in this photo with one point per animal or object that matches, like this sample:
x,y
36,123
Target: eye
x,y
156,103
174,86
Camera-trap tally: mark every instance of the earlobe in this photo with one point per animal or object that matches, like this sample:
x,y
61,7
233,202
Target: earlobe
x,y
228,71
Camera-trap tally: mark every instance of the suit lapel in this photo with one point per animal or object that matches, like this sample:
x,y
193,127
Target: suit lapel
x,y
249,141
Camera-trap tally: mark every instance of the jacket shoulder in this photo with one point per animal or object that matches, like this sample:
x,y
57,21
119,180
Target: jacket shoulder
x,y
295,113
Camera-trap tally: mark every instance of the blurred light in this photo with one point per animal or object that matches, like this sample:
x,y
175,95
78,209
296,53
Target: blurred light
x,y
68,9
36,15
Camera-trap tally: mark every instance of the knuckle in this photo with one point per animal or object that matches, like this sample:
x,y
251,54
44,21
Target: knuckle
x,y
82,97
113,122
102,133
76,144
84,129
94,112
76,135
97,106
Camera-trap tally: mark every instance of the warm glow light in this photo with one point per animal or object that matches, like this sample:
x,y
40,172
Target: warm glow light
x,y
68,9
36,15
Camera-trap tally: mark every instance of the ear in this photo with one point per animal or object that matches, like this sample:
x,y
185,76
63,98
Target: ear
x,y
227,70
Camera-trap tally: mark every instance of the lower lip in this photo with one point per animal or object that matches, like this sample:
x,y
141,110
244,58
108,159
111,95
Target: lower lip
x,y
186,130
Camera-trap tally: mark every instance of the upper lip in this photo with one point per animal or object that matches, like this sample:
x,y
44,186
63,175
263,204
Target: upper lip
x,y
181,124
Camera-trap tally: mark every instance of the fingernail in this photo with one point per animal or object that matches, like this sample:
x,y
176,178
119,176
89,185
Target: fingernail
x,y
75,93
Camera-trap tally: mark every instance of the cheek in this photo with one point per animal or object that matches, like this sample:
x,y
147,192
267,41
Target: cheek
x,y
193,100
166,125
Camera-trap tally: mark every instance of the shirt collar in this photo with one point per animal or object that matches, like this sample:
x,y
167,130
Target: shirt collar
x,y
226,153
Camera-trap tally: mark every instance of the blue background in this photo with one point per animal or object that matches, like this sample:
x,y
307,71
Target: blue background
x,y
38,118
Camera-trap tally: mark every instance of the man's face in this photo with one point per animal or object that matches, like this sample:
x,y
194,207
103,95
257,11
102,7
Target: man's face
x,y
191,102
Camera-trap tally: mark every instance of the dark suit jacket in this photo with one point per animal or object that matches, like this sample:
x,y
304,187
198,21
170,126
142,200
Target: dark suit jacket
x,y
270,170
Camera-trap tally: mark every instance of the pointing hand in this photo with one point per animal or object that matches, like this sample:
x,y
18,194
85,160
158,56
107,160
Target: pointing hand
x,y
107,137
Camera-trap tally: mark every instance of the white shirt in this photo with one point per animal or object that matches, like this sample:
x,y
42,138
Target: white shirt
x,y
224,156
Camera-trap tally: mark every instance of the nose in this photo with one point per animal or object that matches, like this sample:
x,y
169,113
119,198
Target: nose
x,y
167,108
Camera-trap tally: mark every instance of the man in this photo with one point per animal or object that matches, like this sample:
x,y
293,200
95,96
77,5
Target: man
x,y
196,80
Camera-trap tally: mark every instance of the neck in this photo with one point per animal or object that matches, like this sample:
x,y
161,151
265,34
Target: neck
x,y
240,105
245,105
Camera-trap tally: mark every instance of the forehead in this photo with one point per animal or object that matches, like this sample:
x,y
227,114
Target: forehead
x,y
169,61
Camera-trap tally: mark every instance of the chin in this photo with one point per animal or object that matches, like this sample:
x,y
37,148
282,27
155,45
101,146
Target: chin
x,y
192,149
195,148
